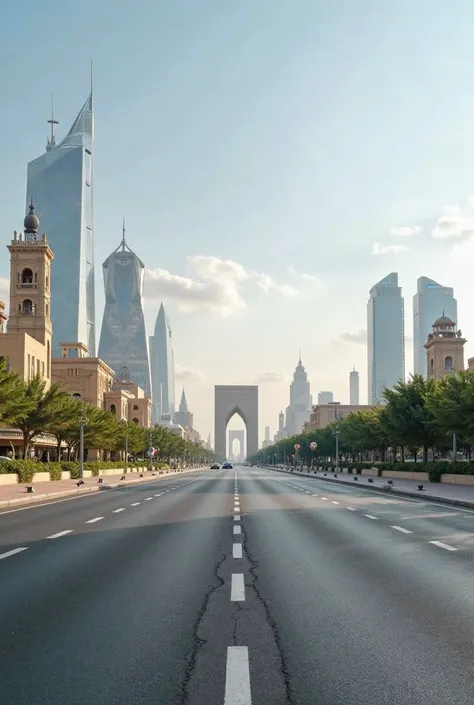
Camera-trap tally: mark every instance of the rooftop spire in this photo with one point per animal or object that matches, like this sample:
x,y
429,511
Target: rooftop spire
x,y
123,234
52,142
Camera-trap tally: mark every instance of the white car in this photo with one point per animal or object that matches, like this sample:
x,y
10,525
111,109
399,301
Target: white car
x,y
3,458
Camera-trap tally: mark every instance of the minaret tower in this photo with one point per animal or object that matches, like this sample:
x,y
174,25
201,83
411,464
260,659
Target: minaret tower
x,y
30,277
444,349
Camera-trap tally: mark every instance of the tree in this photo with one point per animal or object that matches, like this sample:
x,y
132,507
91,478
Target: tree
x,y
13,402
452,404
43,409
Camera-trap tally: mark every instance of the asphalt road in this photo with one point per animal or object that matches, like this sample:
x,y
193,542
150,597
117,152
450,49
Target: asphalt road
x,y
266,589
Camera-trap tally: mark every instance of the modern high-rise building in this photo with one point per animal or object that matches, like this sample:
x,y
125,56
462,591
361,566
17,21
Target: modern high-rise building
x,y
325,398
162,367
385,337
60,182
354,387
123,341
299,409
431,301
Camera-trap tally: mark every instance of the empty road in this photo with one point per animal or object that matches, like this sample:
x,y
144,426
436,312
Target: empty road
x,y
237,587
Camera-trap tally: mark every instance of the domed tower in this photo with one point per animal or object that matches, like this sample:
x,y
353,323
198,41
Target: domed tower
x,y
444,349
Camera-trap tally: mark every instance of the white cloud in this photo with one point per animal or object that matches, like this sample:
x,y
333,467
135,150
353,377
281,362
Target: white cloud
x,y
359,337
186,374
291,269
210,283
270,378
379,249
405,230
454,222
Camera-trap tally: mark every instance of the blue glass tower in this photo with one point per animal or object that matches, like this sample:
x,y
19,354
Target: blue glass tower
x,y
123,341
162,367
60,182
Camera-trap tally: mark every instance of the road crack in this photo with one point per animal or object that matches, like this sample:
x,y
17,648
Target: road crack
x,y
270,620
198,643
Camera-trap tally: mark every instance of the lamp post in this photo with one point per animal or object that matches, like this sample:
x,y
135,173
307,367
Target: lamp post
x,y
150,448
335,433
82,423
126,450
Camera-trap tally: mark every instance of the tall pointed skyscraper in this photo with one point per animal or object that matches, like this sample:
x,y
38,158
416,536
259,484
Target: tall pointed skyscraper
x,y
60,183
183,416
299,409
162,367
123,341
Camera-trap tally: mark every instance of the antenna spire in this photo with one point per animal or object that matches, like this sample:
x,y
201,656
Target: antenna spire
x,y
123,234
92,83
52,122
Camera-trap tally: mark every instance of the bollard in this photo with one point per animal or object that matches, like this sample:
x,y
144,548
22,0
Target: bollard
x,y
369,479
421,488
100,480
29,489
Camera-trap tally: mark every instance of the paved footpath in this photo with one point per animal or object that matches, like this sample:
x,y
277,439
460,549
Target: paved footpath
x,y
16,495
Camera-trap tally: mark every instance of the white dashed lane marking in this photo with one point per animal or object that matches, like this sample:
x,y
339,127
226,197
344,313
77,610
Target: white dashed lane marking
x,y
237,550
237,530
237,589
237,676
333,502
237,517
60,533
13,552
147,499
370,516
351,509
93,521
116,511
401,529
440,544
135,504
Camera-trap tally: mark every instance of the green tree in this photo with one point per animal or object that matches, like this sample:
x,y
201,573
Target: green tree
x,y
452,404
44,408
13,402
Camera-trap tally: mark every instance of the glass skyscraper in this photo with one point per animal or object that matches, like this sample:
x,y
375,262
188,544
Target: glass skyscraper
x,y
429,303
385,337
162,367
123,341
60,183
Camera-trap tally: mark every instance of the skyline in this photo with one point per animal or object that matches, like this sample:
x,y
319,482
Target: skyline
x,y
334,166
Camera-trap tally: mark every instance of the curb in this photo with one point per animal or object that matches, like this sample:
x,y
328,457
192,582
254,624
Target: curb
x,y
373,488
85,490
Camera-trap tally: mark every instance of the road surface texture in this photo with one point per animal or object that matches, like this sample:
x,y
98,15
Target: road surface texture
x,y
237,587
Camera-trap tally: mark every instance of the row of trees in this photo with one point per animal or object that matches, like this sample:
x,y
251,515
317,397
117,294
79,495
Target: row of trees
x,y
35,410
419,416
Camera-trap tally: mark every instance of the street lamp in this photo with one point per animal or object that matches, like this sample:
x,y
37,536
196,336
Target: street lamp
x,y
126,450
82,423
335,433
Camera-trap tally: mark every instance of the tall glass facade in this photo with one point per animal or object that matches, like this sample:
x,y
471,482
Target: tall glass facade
x,y
429,302
385,337
123,341
299,409
61,183
162,367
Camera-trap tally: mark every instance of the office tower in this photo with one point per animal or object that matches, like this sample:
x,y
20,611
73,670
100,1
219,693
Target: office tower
x,y
325,398
354,388
385,337
123,342
61,183
162,367
430,302
299,409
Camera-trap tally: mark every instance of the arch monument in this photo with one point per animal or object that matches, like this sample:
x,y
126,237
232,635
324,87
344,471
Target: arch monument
x,y
230,400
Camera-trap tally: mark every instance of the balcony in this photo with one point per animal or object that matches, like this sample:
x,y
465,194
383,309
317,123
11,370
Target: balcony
x,y
26,285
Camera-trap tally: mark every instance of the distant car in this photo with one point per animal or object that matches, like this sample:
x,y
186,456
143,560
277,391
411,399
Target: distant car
x,y
215,466
5,457
227,466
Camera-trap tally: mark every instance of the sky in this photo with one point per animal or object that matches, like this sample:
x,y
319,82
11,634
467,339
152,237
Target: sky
x,y
272,160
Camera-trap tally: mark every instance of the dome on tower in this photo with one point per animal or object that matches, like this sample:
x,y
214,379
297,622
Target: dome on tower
x,y
443,322
31,222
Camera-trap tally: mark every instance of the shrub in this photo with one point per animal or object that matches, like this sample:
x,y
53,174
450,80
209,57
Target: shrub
x,y
55,470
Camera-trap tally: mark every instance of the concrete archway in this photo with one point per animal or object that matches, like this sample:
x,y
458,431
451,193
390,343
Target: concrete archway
x,y
230,400
236,435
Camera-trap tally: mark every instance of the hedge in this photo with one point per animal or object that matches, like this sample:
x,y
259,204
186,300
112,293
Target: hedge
x,y
434,469
26,469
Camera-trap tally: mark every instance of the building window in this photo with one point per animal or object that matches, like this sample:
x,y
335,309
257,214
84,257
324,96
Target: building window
x,y
76,395
47,282
29,365
113,409
431,365
135,421
47,310
448,363
27,277
38,367
42,369
135,407
48,359
27,307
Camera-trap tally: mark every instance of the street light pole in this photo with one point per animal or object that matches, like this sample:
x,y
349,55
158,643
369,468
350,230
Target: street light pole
x,y
336,435
82,423
150,451
126,451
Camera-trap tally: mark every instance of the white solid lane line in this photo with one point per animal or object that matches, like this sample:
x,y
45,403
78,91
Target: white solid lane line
x,y
440,544
116,511
12,552
351,509
237,517
401,529
237,676
135,504
60,533
237,530
237,589
93,521
370,516
237,550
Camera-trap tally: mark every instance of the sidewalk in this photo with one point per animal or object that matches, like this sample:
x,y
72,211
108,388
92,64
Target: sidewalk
x,y
16,495
457,495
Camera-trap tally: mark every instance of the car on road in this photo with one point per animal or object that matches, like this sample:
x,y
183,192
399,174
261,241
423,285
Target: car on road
x,y
227,466
215,466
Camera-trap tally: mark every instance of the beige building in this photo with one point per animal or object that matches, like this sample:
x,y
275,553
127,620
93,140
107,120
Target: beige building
x,y
324,414
444,349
